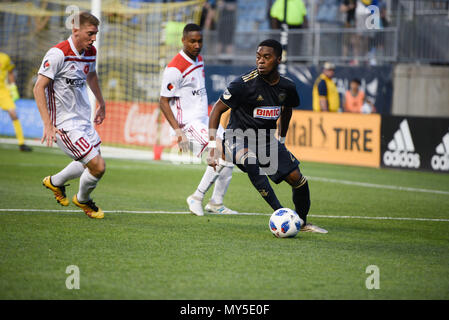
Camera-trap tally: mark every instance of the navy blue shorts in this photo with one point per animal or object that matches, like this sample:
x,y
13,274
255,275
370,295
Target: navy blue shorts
x,y
277,162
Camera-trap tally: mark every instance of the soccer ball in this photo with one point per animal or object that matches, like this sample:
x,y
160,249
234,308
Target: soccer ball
x,y
285,223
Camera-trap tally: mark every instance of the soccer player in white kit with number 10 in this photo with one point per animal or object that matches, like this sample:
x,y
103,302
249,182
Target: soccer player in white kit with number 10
x,y
183,101
63,103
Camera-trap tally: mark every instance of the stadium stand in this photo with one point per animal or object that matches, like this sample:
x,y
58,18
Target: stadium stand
x,y
138,37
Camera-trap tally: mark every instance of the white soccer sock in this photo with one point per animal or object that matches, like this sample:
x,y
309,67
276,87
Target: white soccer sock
x,y
88,182
73,170
208,179
221,185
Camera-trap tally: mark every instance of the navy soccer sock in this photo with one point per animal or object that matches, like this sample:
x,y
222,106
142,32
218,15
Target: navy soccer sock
x,y
301,199
261,183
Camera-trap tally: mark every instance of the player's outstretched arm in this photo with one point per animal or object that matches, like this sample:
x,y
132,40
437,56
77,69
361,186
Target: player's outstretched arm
x,y
183,142
214,120
92,81
49,133
215,117
284,122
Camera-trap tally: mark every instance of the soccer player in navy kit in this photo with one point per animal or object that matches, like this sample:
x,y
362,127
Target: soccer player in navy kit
x,y
257,100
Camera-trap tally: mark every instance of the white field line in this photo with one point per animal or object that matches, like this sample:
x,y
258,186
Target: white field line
x,y
113,152
379,186
241,213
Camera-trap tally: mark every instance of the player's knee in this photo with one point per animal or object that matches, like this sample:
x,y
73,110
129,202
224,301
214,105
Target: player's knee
x,y
101,167
12,114
97,167
296,179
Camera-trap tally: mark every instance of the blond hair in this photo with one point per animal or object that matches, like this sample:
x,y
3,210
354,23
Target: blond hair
x,y
86,18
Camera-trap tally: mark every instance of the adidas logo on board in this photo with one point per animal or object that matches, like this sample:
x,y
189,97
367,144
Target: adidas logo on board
x,y
440,161
401,150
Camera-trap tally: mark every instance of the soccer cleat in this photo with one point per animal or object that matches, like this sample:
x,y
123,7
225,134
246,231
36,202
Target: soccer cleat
x,y
89,208
219,208
195,206
25,148
59,192
312,228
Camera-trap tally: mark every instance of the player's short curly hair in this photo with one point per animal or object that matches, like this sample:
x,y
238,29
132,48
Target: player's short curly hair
x,y
277,47
191,27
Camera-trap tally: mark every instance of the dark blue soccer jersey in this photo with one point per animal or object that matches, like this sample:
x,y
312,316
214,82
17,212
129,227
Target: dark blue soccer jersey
x,y
255,104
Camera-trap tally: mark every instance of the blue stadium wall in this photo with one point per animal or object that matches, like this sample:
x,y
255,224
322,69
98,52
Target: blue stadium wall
x,y
413,143
377,82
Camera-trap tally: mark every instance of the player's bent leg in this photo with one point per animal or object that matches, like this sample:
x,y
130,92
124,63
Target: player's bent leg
x,y
12,114
300,193
88,182
259,181
58,191
215,204
72,171
97,166
195,201
196,132
56,183
195,205
301,199
18,130
89,208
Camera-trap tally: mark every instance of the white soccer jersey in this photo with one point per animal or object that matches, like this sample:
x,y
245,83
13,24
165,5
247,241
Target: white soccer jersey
x,y
67,99
184,81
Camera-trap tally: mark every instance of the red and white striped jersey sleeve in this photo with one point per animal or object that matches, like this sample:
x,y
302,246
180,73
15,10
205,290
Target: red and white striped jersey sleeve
x,y
171,82
52,63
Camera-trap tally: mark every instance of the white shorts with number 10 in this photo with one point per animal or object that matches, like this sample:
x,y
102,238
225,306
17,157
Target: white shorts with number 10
x,y
81,144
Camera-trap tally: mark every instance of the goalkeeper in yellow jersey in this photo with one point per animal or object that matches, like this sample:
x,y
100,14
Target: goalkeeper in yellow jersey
x,y
9,94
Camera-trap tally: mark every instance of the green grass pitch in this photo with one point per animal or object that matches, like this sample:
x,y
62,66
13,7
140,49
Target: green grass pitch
x,y
137,255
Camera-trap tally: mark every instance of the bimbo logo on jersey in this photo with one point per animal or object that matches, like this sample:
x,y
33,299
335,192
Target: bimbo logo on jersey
x,y
440,160
401,150
271,113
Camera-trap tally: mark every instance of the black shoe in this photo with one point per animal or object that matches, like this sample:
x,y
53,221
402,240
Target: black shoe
x,y
24,147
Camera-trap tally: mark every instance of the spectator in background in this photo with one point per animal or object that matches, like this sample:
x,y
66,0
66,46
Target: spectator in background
x,y
296,19
348,8
8,95
226,26
296,14
355,100
354,97
384,23
208,15
325,94
362,37
328,17
377,45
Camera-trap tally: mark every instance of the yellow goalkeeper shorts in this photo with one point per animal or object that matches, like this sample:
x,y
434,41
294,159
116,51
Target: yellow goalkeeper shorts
x,y
6,102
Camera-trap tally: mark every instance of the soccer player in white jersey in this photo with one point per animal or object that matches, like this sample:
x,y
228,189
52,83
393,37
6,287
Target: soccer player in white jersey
x,y
183,101
63,103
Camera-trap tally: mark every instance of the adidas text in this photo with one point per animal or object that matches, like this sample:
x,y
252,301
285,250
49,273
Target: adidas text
x,y
402,159
440,162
